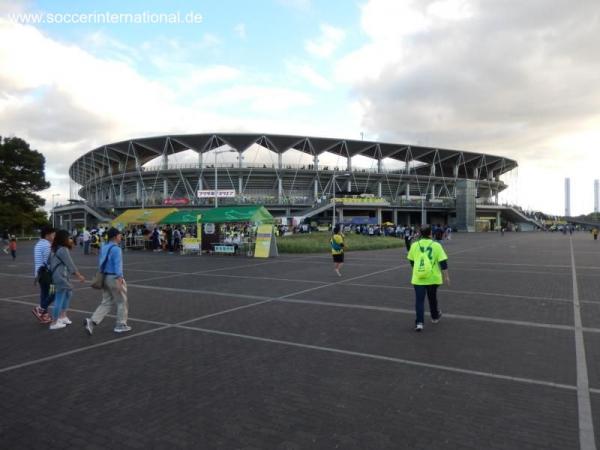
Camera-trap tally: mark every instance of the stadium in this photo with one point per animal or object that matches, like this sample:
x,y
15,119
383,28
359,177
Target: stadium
x,y
400,184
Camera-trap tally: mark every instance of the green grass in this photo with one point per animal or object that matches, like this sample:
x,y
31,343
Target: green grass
x,y
318,242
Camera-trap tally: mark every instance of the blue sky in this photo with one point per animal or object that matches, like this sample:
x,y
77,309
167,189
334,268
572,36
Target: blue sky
x,y
509,78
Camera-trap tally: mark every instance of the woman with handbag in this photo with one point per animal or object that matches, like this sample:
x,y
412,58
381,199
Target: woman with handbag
x,y
62,267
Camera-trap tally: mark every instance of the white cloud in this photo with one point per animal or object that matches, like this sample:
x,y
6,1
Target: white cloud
x,y
240,30
308,73
66,101
329,40
510,78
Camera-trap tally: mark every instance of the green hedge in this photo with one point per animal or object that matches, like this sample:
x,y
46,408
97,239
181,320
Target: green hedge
x,y
318,242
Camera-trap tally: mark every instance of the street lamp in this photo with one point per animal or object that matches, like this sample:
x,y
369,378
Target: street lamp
x,y
345,175
53,195
218,152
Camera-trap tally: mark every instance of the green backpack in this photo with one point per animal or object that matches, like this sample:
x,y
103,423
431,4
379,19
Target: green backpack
x,y
423,265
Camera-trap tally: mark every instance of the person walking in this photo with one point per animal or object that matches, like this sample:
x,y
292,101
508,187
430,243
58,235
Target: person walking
x,y
86,238
114,290
61,267
41,257
337,249
13,247
408,233
428,260
595,233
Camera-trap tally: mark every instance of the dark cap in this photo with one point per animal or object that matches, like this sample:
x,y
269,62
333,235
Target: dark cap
x,y
113,232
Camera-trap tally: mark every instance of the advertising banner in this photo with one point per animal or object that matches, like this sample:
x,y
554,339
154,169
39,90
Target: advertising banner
x,y
176,201
221,193
265,242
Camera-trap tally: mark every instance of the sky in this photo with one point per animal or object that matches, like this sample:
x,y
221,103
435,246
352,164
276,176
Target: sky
x,y
513,78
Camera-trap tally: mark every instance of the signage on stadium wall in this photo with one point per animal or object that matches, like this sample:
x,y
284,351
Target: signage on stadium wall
x,y
176,201
221,193
209,228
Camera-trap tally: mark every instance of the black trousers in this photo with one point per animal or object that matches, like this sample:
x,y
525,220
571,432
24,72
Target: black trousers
x,y
431,292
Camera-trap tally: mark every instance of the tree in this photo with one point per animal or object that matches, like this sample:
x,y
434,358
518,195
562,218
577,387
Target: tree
x,y
21,176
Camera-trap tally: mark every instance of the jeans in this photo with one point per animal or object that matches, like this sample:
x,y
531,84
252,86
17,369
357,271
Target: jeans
x,y
46,298
431,292
62,300
86,247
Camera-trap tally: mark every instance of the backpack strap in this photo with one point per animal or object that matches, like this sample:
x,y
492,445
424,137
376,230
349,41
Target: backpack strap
x,y
103,265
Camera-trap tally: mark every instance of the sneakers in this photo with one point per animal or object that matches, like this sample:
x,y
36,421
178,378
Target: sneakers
x,y
438,318
122,328
58,325
338,273
65,320
89,326
46,318
41,315
419,327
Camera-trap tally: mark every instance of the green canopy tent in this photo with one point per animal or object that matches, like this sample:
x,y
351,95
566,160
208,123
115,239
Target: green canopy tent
x,y
183,216
231,214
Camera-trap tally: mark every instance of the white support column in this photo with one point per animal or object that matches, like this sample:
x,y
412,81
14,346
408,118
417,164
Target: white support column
x,y
165,188
379,216
316,162
200,162
407,191
165,166
121,196
455,171
379,189
280,161
240,184
280,190
138,190
379,165
433,191
349,169
498,220
341,215
475,173
165,161
396,217
316,187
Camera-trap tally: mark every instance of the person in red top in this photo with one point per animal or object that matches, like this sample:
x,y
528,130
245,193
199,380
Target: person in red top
x,y
13,248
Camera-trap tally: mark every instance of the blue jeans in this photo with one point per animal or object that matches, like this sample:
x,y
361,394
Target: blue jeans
x,y
431,292
86,247
62,300
46,298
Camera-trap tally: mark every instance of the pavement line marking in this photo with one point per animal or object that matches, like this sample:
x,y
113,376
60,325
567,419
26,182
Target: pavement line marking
x,y
452,316
587,440
119,339
384,358
457,291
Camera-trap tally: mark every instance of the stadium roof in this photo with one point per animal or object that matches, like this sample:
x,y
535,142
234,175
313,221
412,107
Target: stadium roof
x,y
143,150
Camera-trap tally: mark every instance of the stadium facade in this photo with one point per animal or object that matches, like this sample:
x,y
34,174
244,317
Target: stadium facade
x,y
426,184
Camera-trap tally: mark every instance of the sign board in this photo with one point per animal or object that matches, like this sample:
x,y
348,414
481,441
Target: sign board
x,y
199,230
266,246
224,249
191,244
209,228
221,193
176,201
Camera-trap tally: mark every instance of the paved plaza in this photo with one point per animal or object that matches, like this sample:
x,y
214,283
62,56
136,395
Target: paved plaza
x,y
240,353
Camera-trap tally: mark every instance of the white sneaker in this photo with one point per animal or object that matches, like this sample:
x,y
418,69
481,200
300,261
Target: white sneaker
x,y
122,328
65,320
419,327
58,325
338,273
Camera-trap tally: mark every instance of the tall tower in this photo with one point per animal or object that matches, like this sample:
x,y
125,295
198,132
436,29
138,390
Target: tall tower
x,y
596,199
567,197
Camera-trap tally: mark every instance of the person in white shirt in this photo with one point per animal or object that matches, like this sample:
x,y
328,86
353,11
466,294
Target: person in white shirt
x,y
86,237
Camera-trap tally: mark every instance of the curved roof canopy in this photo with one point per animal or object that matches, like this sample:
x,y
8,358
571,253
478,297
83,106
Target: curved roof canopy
x,y
126,154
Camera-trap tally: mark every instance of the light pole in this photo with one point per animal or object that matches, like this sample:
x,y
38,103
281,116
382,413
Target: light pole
x,y
333,189
53,195
218,152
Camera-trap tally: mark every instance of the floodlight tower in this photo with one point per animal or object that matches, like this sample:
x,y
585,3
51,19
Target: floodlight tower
x,y
567,197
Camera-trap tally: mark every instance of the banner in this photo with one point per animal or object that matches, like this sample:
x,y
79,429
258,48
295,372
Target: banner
x,y
191,245
265,242
199,228
176,201
221,193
